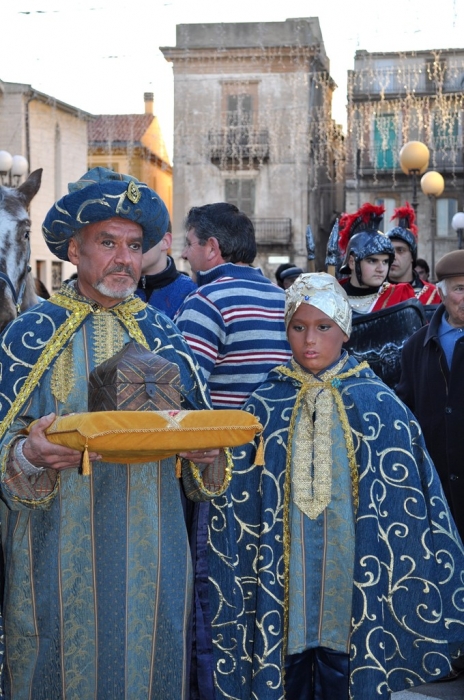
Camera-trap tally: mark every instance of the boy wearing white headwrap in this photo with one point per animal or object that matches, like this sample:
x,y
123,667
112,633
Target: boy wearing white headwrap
x,y
344,592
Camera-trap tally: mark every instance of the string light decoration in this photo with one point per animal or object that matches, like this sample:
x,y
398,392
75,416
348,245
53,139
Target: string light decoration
x,y
400,97
275,128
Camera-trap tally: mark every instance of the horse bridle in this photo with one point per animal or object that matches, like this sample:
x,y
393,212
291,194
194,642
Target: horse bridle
x,y
18,296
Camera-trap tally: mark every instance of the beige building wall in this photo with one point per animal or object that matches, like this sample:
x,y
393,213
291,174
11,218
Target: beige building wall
x,y
127,147
51,135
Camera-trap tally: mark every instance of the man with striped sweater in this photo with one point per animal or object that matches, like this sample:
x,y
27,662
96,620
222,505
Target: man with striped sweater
x,y
234,321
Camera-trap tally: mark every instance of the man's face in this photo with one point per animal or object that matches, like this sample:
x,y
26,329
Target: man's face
x,y
454,301
155,259
288,281
316,340
374,270
401,269
195,252
108,257
422,272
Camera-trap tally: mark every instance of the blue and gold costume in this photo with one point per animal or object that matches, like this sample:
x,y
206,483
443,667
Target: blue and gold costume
x,y
98,580
380,540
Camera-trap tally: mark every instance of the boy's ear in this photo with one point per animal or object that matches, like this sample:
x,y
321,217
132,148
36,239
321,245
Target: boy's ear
x,y
166,241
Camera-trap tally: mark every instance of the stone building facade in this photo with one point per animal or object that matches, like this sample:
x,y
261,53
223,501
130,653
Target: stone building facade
x,y
253,126
52,135
394,98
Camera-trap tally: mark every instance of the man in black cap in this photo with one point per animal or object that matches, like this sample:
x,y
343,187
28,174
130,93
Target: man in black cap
x,y
98,592
432,381
289,275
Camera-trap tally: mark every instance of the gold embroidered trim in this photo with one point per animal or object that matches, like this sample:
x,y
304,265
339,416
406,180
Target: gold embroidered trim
x,y
108,336
80,308
312,461
62,335
63,377
227,474
329,380
126,316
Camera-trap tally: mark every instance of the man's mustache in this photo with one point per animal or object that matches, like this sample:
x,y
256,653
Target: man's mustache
x,y
127,269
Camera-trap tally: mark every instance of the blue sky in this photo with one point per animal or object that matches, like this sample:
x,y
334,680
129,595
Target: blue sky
x,y
102,55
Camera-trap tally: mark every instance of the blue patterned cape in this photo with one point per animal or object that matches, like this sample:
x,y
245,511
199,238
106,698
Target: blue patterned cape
x,y
408,587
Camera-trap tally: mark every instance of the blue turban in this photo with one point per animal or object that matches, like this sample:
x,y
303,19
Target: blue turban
x,y
99,195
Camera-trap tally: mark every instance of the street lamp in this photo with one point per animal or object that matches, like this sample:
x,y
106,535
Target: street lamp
x,y
433,184
12,168
414,160
457,222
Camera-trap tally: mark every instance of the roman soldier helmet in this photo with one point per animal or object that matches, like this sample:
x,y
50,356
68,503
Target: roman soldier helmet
x,y
406,230
360,237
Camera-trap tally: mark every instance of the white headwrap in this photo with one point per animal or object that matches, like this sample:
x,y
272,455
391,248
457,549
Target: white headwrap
x,y
321,290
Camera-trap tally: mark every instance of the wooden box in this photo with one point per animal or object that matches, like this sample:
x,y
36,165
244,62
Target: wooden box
x,y
134,379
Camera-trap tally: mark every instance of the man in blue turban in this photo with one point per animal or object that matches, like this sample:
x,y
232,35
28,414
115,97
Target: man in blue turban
x,y
98,584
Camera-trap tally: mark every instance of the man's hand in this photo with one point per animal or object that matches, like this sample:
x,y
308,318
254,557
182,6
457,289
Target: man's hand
x,y
42,453
200,456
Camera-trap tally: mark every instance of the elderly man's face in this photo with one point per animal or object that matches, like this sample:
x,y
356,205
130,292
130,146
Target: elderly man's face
x,y
454,301
108,256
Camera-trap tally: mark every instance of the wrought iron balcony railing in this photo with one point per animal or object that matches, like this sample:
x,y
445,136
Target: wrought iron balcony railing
x,y
238,143
273,232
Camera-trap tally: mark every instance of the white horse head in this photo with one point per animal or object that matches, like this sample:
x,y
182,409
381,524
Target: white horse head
x,y
16,282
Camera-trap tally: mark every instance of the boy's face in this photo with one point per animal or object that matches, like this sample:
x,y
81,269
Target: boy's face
x,y
316,340
374,270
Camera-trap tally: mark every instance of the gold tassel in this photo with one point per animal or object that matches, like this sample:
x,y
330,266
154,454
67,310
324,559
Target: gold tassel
x,y
259,458
178,467
86,469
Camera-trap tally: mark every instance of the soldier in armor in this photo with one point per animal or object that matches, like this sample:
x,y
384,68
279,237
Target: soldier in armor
x,y
404,241
369,255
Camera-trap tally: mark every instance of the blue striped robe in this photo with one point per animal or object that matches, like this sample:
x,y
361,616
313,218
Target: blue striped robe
x,y
98,573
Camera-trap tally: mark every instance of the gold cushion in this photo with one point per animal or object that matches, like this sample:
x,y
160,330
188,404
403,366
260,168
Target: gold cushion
x,y
141,436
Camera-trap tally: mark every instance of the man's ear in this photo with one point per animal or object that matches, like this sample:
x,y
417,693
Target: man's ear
x,y
73,251
351,262
214,249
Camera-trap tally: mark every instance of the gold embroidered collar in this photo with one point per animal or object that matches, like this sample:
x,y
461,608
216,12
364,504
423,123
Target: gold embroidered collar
x,y
310,436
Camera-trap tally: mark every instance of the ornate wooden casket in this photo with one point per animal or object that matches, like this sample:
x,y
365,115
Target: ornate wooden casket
x,y
134,379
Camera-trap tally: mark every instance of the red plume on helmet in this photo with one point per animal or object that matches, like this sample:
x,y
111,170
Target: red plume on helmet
x,y
406,217
367,218
405,230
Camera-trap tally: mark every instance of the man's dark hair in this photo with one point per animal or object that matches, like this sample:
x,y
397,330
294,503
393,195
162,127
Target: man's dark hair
x,y
420,262
233,230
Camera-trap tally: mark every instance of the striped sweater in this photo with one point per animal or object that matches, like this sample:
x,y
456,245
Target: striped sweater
x,y
234,324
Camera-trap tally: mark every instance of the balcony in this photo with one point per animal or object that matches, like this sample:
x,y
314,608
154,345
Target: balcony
x,y
272,232
447,159
237,144
374,82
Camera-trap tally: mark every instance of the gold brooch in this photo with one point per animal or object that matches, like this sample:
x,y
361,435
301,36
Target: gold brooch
x,y
133,193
